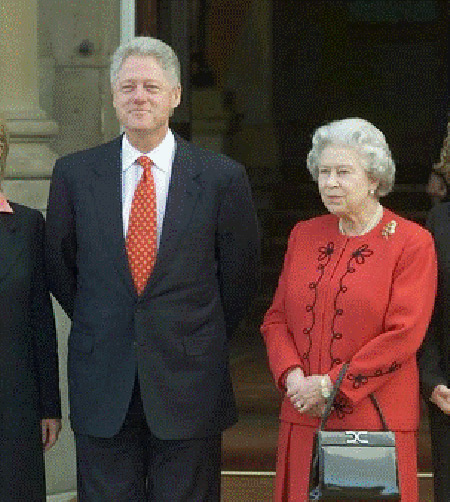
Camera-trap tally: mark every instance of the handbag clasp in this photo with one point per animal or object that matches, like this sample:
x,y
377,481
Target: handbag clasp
x,y
355,437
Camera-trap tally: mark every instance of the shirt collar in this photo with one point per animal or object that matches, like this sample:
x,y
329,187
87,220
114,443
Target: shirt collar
x,y
162,155
4,205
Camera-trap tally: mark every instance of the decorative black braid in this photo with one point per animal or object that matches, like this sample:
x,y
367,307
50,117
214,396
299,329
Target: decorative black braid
x,y
342,405
359,380
324,257
358,257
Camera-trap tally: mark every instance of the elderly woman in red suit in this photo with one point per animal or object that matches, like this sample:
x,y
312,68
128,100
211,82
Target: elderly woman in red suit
x,y
358,287
29,391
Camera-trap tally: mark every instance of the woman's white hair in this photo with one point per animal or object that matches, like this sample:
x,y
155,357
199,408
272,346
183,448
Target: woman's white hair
x,y
147,46
366,139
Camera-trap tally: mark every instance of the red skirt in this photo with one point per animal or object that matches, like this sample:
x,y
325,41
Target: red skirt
x,y
295,444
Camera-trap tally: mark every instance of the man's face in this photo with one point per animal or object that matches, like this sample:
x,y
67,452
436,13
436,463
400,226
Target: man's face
x,y
143,97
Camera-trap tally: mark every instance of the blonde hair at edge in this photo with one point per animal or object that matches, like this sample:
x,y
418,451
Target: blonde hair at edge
x,y
4,139
366,139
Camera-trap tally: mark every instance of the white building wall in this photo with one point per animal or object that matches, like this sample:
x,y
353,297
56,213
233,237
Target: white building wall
x,y
74,87
74,91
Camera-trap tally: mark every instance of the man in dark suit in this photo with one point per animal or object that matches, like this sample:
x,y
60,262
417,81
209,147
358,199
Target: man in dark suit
x,y
153,251
434,357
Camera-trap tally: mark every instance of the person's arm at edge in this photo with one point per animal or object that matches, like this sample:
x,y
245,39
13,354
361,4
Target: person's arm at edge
x,y
282,352
45,350
60,242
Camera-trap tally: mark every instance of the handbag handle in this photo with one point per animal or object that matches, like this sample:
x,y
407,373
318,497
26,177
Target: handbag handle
x,y
332,397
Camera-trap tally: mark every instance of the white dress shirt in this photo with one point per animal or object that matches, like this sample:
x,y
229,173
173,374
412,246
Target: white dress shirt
x,y
162,157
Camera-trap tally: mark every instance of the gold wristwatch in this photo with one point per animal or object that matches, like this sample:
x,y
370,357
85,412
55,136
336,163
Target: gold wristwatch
x,y
325,390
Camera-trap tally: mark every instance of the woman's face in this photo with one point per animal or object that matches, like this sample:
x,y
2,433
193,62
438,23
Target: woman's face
x,y
343,182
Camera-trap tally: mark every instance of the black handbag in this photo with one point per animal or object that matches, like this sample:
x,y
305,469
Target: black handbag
x,y
353,464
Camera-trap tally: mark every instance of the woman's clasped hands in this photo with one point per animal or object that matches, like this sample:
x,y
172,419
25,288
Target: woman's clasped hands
x,y
305,392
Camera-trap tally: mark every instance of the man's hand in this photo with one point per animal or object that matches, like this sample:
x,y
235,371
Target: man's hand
x,y
441,398
50,431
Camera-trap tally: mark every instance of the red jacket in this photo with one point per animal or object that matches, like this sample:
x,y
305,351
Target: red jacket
x,y
366,300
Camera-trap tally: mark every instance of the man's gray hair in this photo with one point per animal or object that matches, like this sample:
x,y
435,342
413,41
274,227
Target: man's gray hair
x,y
147,46
366,139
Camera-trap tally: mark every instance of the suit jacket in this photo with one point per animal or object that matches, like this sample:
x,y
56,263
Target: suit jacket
x,y
434,356
29,387
176,334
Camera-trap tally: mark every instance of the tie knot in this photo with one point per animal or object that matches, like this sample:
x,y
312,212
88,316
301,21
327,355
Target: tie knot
x,y
145,162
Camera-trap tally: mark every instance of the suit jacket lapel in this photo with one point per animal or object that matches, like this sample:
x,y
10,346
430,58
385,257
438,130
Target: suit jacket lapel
x,y
12,242
181,200
107,193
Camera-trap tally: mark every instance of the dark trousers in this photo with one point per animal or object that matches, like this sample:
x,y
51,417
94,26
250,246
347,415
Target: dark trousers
x,y
136,466
22,468
440,442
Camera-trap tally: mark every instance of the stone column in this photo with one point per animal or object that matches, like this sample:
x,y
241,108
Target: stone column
x,y
30,157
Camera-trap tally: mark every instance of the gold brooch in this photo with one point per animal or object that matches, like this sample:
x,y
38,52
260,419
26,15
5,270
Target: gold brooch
x,y
389,229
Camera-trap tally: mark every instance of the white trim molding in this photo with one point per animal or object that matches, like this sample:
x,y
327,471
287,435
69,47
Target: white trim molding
x,y
127,20
62,497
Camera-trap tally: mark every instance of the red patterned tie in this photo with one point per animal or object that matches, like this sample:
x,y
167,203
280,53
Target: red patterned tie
x,y
141,236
